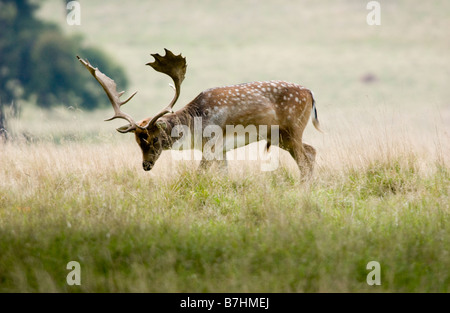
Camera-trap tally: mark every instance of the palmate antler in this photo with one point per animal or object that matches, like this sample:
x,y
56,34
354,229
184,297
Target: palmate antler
x,y
170,64
175,67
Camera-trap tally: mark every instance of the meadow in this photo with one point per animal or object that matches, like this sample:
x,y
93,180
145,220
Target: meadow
x,y
73,189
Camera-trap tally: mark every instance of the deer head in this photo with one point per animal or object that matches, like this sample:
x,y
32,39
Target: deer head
x,y
150,133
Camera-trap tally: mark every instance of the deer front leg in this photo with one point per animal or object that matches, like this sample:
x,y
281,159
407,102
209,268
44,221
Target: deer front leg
x,y
208,162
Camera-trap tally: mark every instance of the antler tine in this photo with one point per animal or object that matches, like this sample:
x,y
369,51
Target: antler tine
x,y
110,88
174,66
116,107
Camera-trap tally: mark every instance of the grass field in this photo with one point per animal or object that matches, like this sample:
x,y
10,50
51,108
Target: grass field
x,y
72,189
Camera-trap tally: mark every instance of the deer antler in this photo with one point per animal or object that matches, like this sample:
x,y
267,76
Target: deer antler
x,y
175,67
110,88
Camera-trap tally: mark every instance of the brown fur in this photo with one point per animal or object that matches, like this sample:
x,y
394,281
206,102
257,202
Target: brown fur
x,y
258,103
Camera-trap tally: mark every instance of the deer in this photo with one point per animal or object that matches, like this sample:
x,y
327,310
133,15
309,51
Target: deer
x,y
285,105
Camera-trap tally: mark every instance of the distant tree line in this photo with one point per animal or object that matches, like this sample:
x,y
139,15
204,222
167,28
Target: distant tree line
x,y
38,62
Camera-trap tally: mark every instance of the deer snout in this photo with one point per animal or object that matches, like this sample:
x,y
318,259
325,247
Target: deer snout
x,y
147,165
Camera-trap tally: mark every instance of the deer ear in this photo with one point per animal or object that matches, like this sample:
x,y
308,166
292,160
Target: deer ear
x,y
161,125
125,129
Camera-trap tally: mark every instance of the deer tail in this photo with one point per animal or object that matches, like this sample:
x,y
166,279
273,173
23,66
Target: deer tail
x,y
314,118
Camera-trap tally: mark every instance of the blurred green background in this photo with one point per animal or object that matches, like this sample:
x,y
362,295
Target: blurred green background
x,y
356,71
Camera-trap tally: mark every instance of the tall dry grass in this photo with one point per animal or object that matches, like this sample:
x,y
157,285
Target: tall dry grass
x,y
175,230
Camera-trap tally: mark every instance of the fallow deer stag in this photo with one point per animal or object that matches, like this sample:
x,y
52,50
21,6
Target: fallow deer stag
x,y
278,103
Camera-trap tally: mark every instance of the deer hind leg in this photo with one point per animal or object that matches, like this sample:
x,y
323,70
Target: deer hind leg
x,y
305,156
310,156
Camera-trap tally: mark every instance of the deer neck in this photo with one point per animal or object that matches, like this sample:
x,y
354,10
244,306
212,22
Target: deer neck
x,y
183,117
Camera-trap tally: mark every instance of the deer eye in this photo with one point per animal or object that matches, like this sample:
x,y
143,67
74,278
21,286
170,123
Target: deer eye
x,y
144,139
